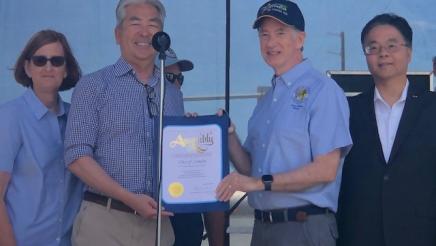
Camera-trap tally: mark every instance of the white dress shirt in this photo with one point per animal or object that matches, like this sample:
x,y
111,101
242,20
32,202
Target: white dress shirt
x,y
388,119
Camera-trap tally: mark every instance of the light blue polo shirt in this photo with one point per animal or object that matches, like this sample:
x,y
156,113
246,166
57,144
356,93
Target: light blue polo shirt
x,y
42,197
305,114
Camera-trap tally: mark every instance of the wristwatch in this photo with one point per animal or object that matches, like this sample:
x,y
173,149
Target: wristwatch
x,y
267,181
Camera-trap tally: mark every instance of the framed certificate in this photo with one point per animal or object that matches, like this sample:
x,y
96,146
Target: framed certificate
x,y
194,161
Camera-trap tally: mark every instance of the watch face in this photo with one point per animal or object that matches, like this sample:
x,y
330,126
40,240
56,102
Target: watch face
x,y
267,178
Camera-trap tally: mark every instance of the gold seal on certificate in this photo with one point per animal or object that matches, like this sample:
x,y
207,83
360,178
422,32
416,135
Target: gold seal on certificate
x,y
194,161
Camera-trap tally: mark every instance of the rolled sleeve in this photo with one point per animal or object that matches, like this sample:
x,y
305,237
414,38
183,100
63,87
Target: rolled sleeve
x,y
81,131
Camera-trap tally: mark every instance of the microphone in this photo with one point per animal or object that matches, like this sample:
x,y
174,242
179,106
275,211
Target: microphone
x,y
161,42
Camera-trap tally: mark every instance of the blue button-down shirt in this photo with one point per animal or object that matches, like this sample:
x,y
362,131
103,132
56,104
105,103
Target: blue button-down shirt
x,y
42,197
109,121
305,114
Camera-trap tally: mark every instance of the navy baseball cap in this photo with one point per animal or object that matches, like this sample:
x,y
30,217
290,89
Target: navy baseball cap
x,y
184,65
284,11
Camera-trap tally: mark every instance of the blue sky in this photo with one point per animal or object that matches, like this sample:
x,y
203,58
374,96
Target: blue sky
x,y
197,28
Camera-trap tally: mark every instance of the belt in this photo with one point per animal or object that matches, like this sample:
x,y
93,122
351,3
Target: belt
x,y
107,202
298,214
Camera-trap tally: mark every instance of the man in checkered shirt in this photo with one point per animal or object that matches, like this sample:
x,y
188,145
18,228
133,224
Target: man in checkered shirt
x,y
111,136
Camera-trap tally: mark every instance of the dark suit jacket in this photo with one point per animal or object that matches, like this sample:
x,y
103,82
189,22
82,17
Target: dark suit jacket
x,y
393,203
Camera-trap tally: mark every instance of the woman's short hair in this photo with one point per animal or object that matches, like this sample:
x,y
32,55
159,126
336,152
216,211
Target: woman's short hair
x,y
38,40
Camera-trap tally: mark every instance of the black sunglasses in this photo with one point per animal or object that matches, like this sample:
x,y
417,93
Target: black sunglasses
x,y
153,108
172,77
55,61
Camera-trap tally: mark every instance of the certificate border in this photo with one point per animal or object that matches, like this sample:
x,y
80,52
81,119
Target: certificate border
x,y
222,122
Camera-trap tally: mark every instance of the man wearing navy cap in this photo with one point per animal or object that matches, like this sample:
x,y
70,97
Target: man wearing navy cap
x,y
291,161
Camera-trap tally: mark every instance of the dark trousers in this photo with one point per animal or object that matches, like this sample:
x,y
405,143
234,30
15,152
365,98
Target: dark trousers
x,y
188,229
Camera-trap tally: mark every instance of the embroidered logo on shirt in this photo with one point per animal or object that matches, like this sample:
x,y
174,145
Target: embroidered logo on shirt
x,y
300,96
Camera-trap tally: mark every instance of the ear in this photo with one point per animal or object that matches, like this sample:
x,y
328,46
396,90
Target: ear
x,y
409,54
117,33
301,36
27,68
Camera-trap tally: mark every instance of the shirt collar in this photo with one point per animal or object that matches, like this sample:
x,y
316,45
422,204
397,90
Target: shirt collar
x,y
122,67
38,108
378,97
293,74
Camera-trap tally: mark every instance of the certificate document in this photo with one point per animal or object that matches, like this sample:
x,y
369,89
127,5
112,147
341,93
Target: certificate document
x,y
194,161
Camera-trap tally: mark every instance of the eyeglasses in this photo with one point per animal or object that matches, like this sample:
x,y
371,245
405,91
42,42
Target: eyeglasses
x,y
40,61
375,48
152,106
172,77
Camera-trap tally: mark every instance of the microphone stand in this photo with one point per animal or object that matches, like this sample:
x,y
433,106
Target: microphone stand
x,y
162,58
160,42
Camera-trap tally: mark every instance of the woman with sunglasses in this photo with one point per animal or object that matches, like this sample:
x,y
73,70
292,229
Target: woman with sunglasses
x,y
39,197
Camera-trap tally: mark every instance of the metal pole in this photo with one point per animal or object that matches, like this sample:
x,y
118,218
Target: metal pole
x,y
342,35
227,104
159,162
341,53
227,93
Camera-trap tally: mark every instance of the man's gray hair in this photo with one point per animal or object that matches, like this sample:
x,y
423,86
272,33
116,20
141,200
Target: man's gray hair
x,y
122,4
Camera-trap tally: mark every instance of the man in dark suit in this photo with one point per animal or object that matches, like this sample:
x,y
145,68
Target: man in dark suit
x,y
388,190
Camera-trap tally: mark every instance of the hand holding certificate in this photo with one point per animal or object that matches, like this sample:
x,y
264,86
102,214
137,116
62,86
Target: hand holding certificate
x,y
194,162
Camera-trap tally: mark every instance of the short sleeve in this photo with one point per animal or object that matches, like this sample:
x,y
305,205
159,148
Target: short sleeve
x,y
10,140
329,121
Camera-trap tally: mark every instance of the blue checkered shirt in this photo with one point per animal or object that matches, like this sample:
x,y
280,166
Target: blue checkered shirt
x,y
109,121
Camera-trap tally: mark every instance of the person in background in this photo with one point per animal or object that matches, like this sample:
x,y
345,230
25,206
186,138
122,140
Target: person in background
x,y
298,135
388,190
174,67
188,227
111,136
39,196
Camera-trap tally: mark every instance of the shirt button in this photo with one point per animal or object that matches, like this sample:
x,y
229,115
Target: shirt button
x,y
58,239
268,121
263,145
259,170
260,195
275,100
386,177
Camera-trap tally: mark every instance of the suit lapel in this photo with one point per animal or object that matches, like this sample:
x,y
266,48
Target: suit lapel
x,y
412,110
368,114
